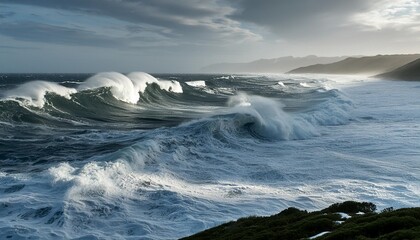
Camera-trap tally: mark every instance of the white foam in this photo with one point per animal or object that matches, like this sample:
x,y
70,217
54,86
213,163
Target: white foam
x,y
170,86
62,172
196,83
306,85
227,77
344,215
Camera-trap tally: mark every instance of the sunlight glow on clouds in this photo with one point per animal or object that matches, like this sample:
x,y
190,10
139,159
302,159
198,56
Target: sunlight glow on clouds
x,y
394,14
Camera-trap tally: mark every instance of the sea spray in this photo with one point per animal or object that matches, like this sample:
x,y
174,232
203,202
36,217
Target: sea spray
x,y
33,93
269,119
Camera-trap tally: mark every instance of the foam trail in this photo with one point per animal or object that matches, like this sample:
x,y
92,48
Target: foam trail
x,y
122,87
33,93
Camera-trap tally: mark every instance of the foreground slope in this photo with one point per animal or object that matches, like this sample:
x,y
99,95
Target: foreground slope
x,y
275,65
409,72
339,221
363,65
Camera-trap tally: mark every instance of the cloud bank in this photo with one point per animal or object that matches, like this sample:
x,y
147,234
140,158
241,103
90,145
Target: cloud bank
x,y
215,29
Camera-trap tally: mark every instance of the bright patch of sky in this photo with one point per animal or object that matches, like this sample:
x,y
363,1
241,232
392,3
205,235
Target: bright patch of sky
x,y
395,14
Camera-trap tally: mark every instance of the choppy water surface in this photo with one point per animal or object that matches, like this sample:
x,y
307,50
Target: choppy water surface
x,y
126,156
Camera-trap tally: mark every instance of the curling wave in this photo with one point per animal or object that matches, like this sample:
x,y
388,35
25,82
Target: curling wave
x,y
265,118
125,88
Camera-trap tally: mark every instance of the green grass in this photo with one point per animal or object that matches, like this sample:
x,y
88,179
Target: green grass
x,y
293,223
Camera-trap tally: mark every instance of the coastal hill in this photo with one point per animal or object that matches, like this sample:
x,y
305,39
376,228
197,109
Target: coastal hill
x,y
409,72
361,65
348,220
274,65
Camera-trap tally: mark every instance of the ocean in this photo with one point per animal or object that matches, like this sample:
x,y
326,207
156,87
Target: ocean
x,y
136,156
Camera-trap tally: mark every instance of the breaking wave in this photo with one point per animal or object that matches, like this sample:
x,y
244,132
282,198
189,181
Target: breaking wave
x,y
125,88
265,118
33,93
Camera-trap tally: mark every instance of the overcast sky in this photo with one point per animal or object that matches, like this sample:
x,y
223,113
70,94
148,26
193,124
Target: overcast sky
x,y
185,35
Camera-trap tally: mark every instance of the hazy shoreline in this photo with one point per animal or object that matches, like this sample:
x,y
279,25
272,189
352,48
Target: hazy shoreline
x,y
396,66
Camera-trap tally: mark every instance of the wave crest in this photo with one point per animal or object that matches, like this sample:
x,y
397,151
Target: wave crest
x,y
122,88
33,93
125,88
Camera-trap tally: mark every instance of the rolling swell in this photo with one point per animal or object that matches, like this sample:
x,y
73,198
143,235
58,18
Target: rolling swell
x,y
137,99
104,97
172,172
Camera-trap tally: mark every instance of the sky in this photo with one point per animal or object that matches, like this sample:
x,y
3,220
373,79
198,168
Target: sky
x,y
172,36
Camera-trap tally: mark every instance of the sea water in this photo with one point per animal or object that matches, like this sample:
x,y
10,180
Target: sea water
x,y
129,156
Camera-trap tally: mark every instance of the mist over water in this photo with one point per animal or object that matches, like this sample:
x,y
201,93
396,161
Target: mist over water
x,y
164,156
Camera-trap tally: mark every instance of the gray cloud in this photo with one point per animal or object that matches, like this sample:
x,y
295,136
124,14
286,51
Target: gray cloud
x,y
17,47
300,18
6,14
45,33
37,32
206,22
202,19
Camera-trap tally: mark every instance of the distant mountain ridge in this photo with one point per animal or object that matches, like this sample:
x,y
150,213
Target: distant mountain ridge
x,y
408,72
274,65
361,65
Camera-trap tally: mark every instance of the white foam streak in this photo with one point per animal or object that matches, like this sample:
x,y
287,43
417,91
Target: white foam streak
x,y
196,83
306,85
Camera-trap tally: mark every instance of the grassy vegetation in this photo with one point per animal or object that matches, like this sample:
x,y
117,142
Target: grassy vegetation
x,y
293,223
